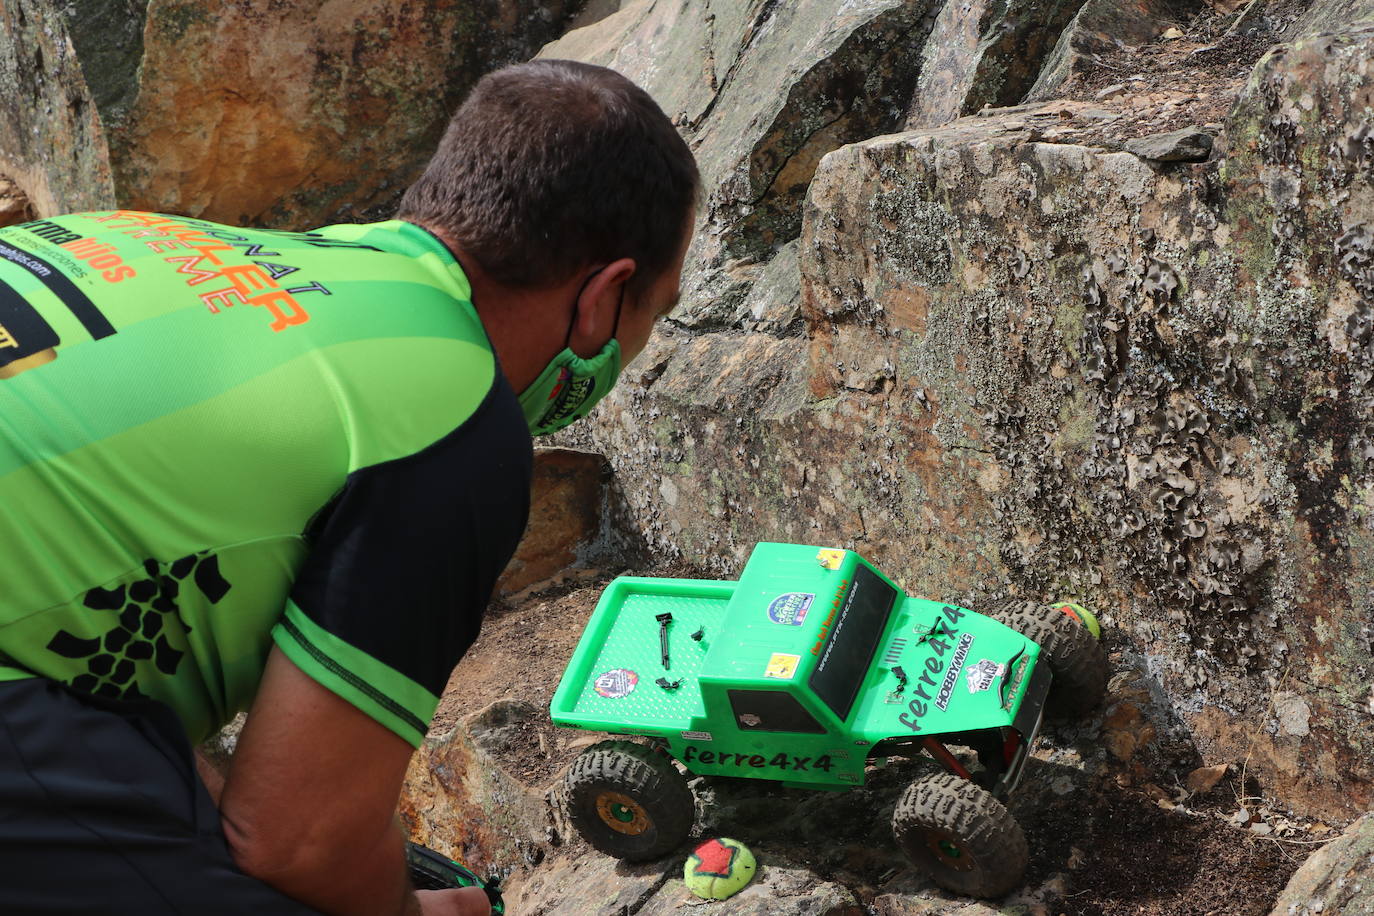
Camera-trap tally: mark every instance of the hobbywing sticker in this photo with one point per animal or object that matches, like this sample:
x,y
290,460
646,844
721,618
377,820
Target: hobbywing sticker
x,y
790,609
616,683
782,666
981,676
956,663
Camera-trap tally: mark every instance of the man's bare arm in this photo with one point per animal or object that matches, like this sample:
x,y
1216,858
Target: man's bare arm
x,y
309,802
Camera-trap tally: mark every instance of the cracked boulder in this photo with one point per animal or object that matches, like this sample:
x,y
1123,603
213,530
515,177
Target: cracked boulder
x,y
253,112
51,140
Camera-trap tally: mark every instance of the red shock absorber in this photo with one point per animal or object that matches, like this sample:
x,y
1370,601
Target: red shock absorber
x,y
947,760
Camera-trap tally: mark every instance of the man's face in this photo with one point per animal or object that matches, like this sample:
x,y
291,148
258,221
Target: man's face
x,y
637,317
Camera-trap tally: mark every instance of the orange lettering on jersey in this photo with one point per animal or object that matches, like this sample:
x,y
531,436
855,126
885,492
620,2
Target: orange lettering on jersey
x,y
281,319
248,278
228,298
136,217
188,266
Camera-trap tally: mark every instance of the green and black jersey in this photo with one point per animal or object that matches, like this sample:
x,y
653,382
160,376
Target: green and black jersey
x,y
215,438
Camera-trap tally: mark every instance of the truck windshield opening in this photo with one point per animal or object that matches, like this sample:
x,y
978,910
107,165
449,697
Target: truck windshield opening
x,y
845,658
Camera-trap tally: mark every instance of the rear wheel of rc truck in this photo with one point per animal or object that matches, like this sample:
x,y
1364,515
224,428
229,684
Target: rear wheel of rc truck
x,y
1075,656
961,836
629,801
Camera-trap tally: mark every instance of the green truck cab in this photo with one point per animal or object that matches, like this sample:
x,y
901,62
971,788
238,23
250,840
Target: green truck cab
x,y
809,669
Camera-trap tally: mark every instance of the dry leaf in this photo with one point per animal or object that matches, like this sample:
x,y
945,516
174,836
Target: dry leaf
x,y
1203,779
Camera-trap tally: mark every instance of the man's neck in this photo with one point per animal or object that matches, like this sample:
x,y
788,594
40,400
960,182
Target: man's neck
x,y
516,320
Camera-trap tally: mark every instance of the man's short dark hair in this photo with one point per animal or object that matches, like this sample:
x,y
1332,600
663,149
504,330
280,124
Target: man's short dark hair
x,y
552,165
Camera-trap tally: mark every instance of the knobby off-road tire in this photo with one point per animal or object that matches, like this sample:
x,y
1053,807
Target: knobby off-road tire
x,y
961,836
1075,657
629,801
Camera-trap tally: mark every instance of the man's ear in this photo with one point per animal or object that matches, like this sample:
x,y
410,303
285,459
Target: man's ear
x,y
598,305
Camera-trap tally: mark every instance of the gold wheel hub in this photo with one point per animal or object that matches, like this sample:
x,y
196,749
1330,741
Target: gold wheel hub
x,y
948,850
622,813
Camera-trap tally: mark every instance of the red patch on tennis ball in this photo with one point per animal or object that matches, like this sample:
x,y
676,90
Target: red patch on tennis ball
x,y
714,858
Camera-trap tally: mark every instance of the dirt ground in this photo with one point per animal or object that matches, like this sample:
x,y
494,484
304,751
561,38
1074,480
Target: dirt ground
x,y
1191,78
1109,845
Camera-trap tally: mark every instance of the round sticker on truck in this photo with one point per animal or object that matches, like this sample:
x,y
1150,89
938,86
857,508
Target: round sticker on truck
x,y
790,609
616,683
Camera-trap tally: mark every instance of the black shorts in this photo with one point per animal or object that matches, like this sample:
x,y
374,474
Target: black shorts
x,y
101,811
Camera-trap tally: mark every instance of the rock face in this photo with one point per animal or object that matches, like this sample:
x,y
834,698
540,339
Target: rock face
x,y
1055,369
256,112
761,90
1338,878
459,800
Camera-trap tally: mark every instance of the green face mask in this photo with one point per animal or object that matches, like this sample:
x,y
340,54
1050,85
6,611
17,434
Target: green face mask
x,y
569,388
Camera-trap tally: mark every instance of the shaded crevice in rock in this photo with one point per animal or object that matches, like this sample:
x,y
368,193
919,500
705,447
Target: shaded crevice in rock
x,y
985,54
862,84
108,38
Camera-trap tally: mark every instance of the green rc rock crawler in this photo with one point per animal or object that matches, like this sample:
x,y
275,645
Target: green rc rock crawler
x,y
808,669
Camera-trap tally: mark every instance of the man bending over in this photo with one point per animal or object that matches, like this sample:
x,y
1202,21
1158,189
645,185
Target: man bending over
x,y
281,471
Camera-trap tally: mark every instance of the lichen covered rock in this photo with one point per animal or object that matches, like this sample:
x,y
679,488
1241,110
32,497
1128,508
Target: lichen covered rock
x,y
1056,369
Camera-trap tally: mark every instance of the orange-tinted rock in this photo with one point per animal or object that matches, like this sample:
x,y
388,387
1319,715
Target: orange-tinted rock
x,y
14,203
253,112
566,502
459,800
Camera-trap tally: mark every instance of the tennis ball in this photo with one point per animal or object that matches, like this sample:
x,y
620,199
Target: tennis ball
x,y
1084,616
719,868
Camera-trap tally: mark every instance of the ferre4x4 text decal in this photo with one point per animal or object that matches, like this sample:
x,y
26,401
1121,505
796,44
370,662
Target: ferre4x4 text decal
x,y
938,641
780,761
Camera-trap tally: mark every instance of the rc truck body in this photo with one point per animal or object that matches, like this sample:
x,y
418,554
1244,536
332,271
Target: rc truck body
x,y
809,668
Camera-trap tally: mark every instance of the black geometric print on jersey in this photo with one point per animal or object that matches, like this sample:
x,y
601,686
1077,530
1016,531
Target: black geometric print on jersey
x,y
137,634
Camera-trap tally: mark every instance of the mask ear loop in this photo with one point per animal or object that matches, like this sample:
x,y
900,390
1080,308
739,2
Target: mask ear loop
x,y
619,304
567,338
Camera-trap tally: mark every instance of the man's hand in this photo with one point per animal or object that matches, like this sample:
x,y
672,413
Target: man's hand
x,y
309,803
463,901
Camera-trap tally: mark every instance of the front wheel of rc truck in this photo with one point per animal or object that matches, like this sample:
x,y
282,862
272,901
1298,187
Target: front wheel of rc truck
x,y
1075,656
961,836
629,801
